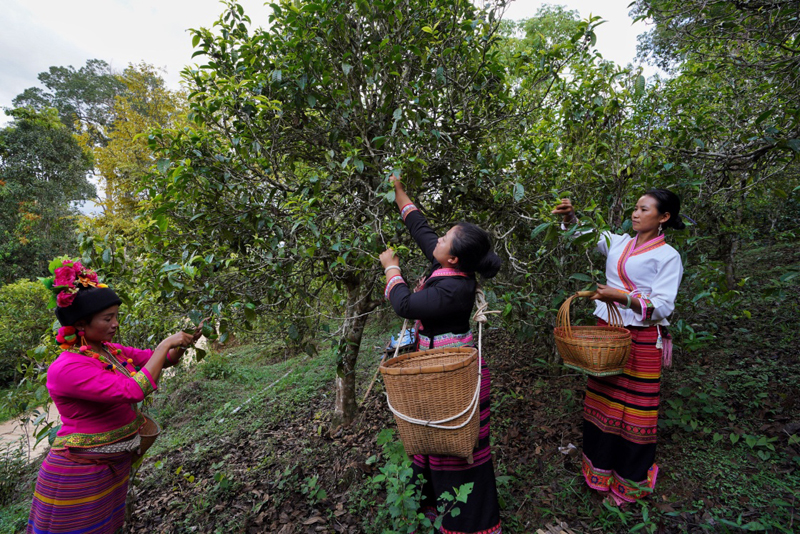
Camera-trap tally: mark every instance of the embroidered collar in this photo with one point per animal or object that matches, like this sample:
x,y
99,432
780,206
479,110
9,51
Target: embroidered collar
x,y
441,273
447,272
648,246
630,251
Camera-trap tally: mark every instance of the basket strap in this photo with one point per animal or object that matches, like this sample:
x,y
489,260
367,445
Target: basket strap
x,y
383,358
438,424
480,318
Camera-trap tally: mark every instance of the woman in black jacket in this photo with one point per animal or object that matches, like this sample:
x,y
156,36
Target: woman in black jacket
x,y
443,306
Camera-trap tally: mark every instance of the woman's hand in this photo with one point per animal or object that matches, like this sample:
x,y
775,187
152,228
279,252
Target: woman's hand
x,y
566,209
198,331
388,258
400,196
180,339
609,295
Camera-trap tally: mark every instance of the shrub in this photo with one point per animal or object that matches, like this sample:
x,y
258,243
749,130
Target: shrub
x,y
24,318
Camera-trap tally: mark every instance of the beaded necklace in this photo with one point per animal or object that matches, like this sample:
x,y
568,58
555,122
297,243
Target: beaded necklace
x,y
113,363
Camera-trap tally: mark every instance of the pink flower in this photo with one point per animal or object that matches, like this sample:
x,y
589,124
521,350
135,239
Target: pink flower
x,y
78,267
65,276
65,298
91,275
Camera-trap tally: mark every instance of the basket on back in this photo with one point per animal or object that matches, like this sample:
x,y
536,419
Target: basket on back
x,y
434,395
594,350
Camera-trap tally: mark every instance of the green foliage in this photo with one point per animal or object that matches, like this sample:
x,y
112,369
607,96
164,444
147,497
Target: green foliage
x,y
42,172
279,185
12,464
312,489
400,511
24,318
84,97
217,367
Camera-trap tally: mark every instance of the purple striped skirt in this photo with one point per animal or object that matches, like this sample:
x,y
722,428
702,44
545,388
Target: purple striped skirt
x,y
80,493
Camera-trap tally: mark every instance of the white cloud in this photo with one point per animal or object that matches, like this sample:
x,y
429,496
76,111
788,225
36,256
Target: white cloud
x,y
38,34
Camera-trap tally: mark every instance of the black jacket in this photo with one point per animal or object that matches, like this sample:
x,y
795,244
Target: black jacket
x,y
445,304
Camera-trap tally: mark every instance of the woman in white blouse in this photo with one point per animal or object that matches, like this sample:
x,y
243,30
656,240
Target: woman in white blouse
x,y
621,412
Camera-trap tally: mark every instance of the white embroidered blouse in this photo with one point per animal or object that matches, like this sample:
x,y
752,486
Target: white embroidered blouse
x,y
650,272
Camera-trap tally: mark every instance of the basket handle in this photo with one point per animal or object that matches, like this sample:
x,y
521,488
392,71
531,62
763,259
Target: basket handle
x,y
562,319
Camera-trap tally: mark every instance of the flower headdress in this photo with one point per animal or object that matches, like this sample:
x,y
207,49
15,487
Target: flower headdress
x,y
69,276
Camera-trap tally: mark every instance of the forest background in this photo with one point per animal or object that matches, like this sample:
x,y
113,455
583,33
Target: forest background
x,y
258,196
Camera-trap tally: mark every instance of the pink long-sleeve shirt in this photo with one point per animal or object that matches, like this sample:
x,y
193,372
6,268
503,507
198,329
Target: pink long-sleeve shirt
x,y
96,404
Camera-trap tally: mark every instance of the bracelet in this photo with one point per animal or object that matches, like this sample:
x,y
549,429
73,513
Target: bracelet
x,y
628,296
389,268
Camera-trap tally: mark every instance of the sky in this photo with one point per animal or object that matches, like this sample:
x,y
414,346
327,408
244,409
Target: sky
x,y
38,34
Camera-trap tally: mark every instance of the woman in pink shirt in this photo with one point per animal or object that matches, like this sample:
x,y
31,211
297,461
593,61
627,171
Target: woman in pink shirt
x,y
96,385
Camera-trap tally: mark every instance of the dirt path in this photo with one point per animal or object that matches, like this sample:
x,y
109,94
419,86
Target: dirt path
x,y
11,432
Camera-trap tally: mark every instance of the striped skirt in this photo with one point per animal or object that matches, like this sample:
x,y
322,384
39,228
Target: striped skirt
x,y
620,419
481,513
80,493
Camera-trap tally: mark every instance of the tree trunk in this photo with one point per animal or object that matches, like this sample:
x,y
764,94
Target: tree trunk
x,y
359,303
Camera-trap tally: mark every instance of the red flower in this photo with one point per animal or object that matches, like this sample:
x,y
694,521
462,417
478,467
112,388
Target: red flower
x,y
65,276
65,298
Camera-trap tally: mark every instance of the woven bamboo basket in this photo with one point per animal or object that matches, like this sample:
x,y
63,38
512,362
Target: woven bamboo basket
x,y
594,350
148,433
434,395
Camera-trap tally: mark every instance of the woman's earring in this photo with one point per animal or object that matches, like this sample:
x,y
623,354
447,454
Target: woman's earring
x,y
659,229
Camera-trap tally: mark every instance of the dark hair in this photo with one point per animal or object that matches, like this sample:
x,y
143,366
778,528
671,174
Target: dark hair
x,y
473,248
668,202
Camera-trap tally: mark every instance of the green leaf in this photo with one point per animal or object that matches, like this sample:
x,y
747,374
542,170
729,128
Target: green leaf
x,y
195,40
539,229
162,222
163,165
519,192
638,86
359,165
346,68
107,256
582,277
55,264
427,29
761,118
294,334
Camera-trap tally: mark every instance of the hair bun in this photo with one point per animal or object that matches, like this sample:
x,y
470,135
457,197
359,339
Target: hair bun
x,y
489,265
677,224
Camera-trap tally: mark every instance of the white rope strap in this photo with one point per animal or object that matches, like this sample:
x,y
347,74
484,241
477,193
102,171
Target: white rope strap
x,y
480,318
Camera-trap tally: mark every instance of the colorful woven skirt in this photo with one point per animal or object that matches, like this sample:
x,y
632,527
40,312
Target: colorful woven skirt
x,y
620,419
481,513
82,493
